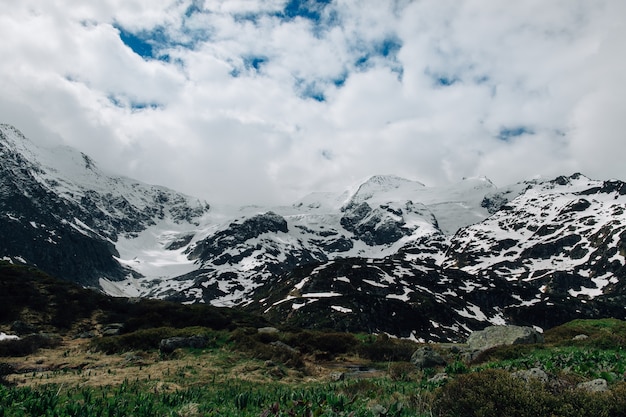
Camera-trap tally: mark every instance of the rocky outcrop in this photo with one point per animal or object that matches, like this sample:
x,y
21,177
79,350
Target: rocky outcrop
x,y
503,335
426,357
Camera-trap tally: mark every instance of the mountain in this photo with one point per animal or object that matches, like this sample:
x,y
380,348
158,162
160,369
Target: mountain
x,y
59,212
387,255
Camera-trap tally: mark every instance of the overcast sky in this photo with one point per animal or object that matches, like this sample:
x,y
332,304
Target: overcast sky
x,y
266,100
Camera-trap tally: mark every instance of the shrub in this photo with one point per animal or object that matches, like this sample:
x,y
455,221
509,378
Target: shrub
x,y
146,339
384,348
496,393
28,344
401,371
323,345
259,346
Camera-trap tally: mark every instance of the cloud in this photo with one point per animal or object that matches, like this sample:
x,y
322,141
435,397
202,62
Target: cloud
x,y
264,101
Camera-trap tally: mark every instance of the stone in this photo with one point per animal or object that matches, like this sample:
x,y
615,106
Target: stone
x,y
503,335
579,337
378,410
337,376
439,378
267,330
596,385
22,328
173,343
528,375
283,346
112,329
426,357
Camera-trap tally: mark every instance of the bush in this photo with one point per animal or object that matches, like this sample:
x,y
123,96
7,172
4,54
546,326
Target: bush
x,y
323,345
496,393
28,344
147,339
259,346
385,349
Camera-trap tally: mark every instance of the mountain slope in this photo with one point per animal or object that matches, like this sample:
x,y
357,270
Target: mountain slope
x,y
387,255
58,211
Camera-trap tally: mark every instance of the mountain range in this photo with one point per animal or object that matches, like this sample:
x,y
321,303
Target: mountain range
x,y
387,255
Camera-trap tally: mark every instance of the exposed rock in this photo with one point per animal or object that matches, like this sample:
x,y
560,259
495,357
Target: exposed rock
x,y
597,385
268,330
439,378
283,346
531,374
503,335
112,329
580,337
173,343
21,327
378,410
337,376
426,357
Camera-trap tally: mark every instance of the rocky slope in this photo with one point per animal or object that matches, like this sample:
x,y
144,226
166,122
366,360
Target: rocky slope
x,y
388,255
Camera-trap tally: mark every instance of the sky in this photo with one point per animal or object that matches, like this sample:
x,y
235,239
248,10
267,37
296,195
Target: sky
x,y
264,101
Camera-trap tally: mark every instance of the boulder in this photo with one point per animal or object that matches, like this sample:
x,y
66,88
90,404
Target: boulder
x,y
528,375
426,357
597,385
503,335
267,330
173,343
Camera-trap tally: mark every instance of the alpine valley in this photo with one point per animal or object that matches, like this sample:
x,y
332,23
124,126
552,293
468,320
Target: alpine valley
x,y
388,255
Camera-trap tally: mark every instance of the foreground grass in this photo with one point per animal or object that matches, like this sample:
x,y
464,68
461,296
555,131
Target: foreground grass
x,y
232,398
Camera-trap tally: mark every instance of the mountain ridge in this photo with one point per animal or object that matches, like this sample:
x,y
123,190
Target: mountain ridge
x,y
392,255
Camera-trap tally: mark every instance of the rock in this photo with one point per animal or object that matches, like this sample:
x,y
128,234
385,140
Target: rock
x,y
438,378
378,410
86,335
597,385
283,346
6,369
426,357
112,329
531,374
503,335
173,343
580,337
267,330
337,376
22,328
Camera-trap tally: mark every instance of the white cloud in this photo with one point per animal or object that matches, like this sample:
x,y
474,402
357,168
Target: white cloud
x,y
252,107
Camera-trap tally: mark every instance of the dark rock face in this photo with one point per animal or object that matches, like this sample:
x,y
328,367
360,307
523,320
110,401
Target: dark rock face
x,y
66,229
373,226
238,233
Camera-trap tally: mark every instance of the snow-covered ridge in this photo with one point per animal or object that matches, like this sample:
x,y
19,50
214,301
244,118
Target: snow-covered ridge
x,y
480,253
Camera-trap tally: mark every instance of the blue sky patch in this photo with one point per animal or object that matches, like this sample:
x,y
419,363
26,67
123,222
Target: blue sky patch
x,y
508,133
138,44
307,9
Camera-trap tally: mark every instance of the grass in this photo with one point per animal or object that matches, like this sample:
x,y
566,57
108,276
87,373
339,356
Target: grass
x,y
290,373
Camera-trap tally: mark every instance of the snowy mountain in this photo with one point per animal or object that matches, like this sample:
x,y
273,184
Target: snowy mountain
x,y
59,212
387,255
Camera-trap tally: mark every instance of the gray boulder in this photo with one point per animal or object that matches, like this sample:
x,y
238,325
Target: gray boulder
x,y
528,375
597,385
426,357
173,343
503,335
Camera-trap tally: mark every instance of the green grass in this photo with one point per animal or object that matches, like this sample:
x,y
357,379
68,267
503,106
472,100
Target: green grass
x,y
235,398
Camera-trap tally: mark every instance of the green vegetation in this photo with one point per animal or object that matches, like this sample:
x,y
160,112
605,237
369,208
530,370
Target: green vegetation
x,y
235,398
290,372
